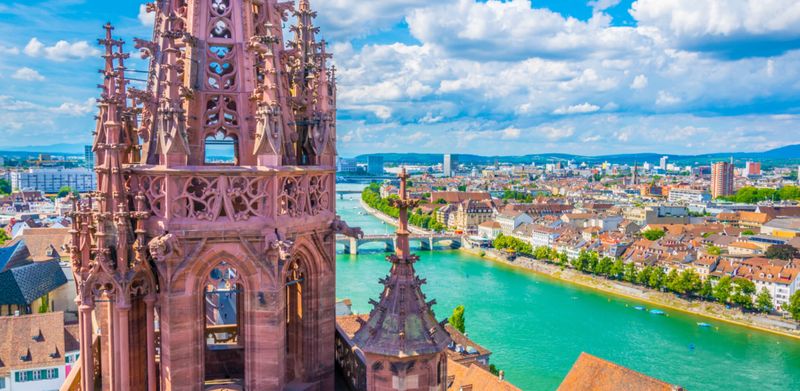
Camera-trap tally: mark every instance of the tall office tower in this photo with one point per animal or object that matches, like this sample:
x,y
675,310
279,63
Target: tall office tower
x,y
721,179
663,163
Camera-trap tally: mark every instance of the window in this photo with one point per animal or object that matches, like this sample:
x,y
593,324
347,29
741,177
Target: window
x,y
40,374
2,383
221,149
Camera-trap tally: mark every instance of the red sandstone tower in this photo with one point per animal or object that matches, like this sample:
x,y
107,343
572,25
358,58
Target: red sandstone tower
x,y
403,343
207,256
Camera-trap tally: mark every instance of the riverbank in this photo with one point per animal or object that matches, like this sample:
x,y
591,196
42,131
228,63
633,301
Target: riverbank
x,y
666,300
705,309
390,220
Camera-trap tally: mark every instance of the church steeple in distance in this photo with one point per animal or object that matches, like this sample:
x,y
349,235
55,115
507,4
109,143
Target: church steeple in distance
x,y
402,341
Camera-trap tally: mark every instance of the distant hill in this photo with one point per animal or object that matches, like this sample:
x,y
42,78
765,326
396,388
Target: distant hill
x,y
56,149
785,155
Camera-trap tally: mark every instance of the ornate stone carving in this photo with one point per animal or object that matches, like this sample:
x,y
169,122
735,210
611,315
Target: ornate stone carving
x,y
341,227
164,246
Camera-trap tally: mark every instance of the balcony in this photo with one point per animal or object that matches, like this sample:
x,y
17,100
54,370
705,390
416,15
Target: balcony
x,y
232,194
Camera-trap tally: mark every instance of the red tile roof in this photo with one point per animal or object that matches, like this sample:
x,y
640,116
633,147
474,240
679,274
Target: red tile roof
x,y
596,374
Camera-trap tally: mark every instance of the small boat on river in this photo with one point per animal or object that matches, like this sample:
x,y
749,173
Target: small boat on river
x,y
657,312
639,308
703,324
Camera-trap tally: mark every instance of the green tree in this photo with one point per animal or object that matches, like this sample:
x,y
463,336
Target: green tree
x,y
44,307
604,266
581,263
462,188
617,269
748,232
653,234
706,290
542,253
671,281
457,319
764,301
630,272
782,251
794,306
714,250
4,237
743,290
5,186
644,276
657,277
690,282
722,292
493,370
65,191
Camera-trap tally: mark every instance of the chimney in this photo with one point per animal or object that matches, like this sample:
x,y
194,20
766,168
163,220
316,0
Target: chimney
x,y
502,375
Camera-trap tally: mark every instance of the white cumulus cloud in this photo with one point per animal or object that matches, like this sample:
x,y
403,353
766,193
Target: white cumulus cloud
x,y
61,51
639,82
146,18
582,108
27,74
77,109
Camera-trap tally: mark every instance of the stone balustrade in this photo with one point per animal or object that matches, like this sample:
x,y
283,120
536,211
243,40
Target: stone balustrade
x,y
234,194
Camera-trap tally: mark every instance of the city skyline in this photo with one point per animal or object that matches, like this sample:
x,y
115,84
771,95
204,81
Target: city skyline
x,y
494,78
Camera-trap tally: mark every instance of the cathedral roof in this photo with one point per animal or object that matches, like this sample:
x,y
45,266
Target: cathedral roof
x,y
402,324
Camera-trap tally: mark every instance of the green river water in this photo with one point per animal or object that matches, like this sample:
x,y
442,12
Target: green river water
x,y
536,326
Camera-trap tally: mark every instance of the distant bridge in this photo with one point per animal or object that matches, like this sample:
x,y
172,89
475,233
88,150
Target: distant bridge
x,y
427,242
342,193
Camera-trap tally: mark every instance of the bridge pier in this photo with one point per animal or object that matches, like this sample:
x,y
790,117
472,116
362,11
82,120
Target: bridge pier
x,y
426,244
353,246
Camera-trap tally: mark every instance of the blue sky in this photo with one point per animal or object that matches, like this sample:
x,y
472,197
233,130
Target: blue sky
x,y
467,76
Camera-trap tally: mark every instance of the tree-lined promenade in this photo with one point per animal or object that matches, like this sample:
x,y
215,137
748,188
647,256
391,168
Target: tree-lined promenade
x,y
372,197
688,284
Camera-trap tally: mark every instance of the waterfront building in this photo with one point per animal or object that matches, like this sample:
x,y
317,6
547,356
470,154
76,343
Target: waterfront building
x,y
51,180
469,214
543,236
375,165
346,166
202,273
780,278
510,219
721,179
489,230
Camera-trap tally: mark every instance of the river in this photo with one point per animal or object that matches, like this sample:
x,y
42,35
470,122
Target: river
x,y
537,326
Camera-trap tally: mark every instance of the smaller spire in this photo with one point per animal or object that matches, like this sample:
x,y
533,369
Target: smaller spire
x,y
402,324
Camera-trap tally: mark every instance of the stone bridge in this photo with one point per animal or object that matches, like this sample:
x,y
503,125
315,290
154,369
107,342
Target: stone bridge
x,y
427,242
342,193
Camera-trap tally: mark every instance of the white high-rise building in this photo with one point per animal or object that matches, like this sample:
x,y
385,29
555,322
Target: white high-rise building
x,y
447,165
664,162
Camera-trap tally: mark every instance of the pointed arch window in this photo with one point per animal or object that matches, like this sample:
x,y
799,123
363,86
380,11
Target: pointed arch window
x,y
221,149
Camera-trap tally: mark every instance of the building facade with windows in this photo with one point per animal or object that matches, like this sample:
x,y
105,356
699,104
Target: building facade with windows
x,y
51,180
721,179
